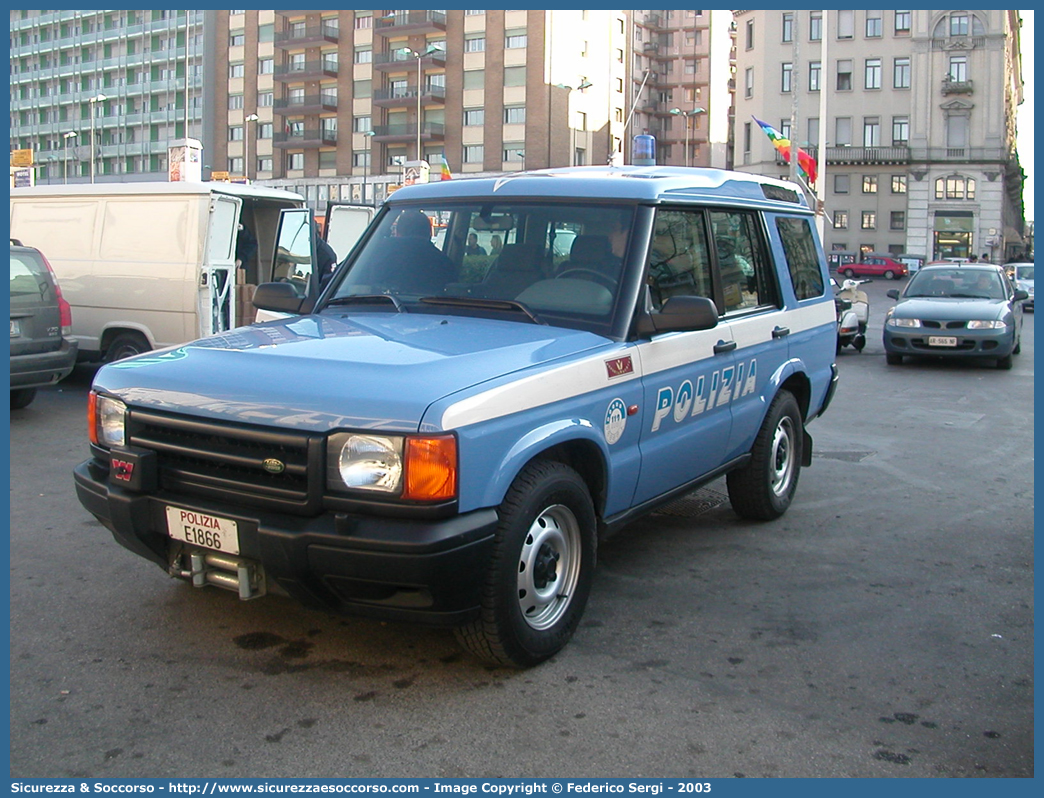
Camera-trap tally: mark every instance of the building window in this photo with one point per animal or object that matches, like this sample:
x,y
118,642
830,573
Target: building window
x,y
473,153
748,82
840,220
898,184
845,24
327,159
841,184
236,38
515,115
897,220
363,55
843,131
750,34
295,161
264,130
844,75
815,26
361,158
235,166
514,152
235,102
901,73
815,72
474,78
788,26
869,184
871,131
474,117
902,23
872,73
363,21
869,220
265,99
958,68
264,164
955,187
265,66
514,39
813,131
956,131
874,24
786,77
515,76
362,124
958,24
236,70
235,133
474,43
900,130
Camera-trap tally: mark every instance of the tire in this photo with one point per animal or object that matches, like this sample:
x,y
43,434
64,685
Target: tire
x,y
540,574
889,275
859,342
848,273
1018,348
126,345
893,360
21,397
763,489
1005,363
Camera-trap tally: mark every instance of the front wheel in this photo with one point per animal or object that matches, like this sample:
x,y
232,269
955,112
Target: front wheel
x,y
889,275
893,360
540,575
763,489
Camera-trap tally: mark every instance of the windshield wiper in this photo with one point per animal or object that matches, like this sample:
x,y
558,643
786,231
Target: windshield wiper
x,y
483,304
366,299
970,296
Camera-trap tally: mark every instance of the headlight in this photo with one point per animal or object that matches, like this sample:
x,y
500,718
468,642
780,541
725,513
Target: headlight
x,y
106,417
986,325
365,462
414,468
904,322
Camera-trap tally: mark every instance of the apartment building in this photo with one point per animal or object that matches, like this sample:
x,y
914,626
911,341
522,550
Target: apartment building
x,y
119,85
919,123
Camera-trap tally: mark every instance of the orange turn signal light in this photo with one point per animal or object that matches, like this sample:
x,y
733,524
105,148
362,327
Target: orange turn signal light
x,y
92,417
431,468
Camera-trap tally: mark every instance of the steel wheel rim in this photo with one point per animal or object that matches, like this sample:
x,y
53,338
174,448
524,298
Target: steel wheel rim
x,y
549,567
782,453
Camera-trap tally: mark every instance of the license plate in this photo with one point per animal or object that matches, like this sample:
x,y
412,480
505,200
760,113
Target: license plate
x,y
200,529
942,340
16,329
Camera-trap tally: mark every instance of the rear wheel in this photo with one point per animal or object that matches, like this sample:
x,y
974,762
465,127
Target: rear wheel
x,y
540,575
126,344
763,489
21,397
848,273
889,275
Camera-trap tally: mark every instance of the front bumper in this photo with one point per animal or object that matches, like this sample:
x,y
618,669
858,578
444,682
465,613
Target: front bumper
x,y
43,368
420,571
970,343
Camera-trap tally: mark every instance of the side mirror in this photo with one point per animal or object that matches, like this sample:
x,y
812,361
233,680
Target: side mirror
x,y
680,314
1020,295
282,298
892,293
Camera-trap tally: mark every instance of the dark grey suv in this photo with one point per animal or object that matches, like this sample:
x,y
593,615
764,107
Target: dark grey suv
x,y
41,354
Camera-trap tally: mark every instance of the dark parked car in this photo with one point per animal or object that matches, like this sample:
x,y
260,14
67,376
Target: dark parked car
x,y
874,265
968,310
41,354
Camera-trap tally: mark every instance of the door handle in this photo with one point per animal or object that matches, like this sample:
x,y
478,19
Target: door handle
x,y
780,332
722,347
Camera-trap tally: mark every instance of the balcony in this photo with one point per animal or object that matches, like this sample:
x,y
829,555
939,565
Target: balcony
x,y
410,22
305,139
403,134
397,62
407,96
956,86
859,155
308,70
310,104
310,36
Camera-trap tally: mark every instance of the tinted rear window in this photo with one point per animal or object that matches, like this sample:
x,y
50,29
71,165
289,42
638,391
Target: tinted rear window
x,y
30,282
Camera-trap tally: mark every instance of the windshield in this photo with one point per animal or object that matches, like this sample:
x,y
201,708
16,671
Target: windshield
x,y
1023,272
957,283
555,263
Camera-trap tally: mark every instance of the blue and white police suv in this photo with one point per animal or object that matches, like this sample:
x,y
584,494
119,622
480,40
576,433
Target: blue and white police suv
x,y
446,431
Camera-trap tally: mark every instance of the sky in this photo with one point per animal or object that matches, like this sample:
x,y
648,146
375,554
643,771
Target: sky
x,y
1025,112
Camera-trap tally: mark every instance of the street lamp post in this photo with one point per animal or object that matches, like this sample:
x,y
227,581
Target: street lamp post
x,y
94,103
687,115
67,136
368,135
246,145
420,57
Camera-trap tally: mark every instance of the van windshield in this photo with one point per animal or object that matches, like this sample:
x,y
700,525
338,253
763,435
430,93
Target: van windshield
x,y
560,262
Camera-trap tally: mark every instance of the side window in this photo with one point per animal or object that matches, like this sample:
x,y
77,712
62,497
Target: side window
x,y
802,261
741,260
678,262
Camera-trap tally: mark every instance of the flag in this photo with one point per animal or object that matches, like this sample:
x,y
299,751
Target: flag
x,y
445,169
806,163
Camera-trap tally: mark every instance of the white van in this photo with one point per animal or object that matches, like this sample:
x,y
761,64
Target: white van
x,y
149,265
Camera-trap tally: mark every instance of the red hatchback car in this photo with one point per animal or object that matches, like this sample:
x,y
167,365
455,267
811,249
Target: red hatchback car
x,y
874,265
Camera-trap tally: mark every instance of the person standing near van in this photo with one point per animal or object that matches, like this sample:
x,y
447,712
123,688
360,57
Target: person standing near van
x,y
246,245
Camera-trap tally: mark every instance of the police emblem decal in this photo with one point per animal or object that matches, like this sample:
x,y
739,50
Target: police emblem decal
x,y
615,421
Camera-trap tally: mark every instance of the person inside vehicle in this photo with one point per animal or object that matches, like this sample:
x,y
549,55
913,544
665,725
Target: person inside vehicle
x,y
472,247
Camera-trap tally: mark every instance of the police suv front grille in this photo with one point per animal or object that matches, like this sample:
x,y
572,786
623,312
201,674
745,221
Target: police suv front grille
x,y
208,458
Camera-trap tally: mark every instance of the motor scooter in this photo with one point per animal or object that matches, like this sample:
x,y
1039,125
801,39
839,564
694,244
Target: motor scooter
x,y
853,312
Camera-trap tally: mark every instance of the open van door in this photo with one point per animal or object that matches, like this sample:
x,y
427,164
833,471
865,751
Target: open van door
x,y
295,284
345,225
217,281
